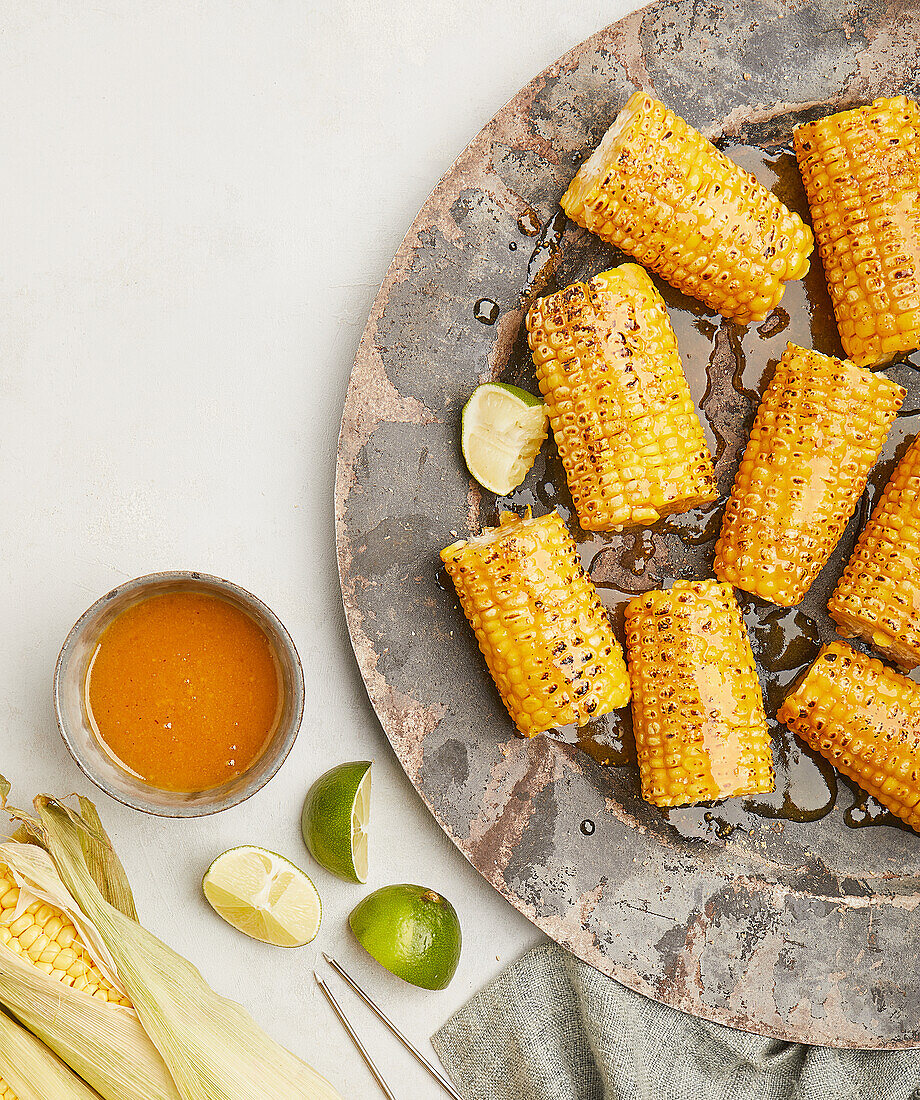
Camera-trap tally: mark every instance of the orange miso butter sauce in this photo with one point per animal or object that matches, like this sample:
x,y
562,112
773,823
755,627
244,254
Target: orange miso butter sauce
x,y
183,690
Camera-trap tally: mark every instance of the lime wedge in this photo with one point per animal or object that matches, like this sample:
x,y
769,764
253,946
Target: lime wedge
x,y
411,931
264,895
335,818
501,432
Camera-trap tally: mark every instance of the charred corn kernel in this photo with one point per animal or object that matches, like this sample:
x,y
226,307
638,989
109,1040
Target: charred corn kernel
x,y
701,733
862,176
657,189
47,937
539,622
619,404
878,596
818,431
865,719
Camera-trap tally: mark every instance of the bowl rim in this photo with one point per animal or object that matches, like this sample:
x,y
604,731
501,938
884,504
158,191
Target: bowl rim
x,y
286,652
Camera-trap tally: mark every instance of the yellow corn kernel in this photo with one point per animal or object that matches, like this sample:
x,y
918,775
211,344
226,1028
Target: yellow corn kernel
x,y
865,719
620,407
47,937
698,716
862,176
539,622
658,190
6,1093
878,596
818,432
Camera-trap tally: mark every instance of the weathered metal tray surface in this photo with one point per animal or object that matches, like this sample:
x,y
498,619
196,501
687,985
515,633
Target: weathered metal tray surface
x,y
795,915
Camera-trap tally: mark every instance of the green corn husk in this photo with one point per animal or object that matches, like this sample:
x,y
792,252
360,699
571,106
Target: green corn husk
x,y
32,1071
212,1048
102,862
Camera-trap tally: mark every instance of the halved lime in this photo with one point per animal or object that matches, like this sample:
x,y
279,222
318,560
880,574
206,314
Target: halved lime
x,y
411,931
264,895
335,818
502,430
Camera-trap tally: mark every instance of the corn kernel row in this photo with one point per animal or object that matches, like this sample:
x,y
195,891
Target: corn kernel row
x,y
539,622
865,719
698,715
861,170
878,596
48,938
657,189
621,411
818,432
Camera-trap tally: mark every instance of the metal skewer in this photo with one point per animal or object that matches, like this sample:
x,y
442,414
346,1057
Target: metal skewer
x,y
381,1015
327,992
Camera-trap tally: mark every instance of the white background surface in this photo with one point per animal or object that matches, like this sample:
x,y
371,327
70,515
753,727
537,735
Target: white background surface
x,y
198,202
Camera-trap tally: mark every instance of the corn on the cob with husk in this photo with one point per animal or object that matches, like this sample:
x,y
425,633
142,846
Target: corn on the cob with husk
x,y
30,1071
698,715
865,719
137,1021
539,622
818,432
658,190
47,937
620,407
878,596
861,170
89,1025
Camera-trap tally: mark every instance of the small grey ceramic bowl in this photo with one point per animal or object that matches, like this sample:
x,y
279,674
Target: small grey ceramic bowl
x,y
84,745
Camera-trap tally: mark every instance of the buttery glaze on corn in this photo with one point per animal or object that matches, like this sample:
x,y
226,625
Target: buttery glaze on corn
x,y
865,719
818,432
657,189
861,170
621,411
878,596
539,622
698,715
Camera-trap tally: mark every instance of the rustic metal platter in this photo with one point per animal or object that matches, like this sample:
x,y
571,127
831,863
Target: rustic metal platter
x,y
796,914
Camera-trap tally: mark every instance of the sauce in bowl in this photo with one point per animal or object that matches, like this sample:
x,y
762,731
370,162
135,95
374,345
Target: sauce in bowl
x,y
183,690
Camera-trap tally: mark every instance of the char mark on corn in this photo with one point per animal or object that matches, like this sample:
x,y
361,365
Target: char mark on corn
x,y
539,622
878,596
818,432
865,719
701,733
658,190
861,170
621,411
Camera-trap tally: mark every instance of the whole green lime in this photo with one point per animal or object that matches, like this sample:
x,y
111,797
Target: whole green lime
x,y
411,931
335,817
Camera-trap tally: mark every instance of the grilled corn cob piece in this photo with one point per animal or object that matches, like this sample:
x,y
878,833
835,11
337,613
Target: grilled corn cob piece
x,y
619,404
865,719
818,431
657,189
701,733
47,937
878,596
538,620
862,175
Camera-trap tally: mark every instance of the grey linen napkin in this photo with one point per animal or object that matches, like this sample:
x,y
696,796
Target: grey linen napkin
x,y
553,1028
